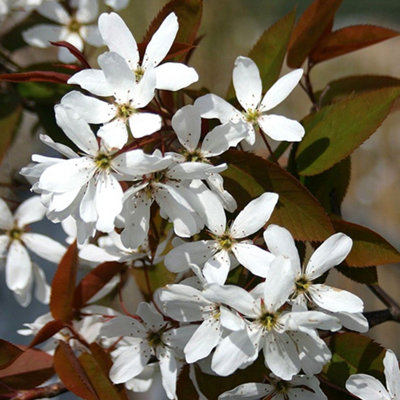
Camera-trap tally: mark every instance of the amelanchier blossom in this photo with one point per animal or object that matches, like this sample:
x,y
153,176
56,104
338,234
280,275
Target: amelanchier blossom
x,y
119,39
21,272
215,254
186,123
248,88
367,387
188,304
300,387
89,188
76,28
123,113
143,338
329,254
271,328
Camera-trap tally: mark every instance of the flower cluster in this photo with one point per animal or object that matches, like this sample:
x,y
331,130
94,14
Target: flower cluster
x,y
241,287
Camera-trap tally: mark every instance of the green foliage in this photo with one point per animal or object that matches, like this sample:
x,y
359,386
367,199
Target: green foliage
x,y
337,130
249,176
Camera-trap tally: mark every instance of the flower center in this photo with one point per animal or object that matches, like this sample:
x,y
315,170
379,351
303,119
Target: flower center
x,y
139,72
154,339
74,26
125,111
251,115
15,233
194,156
225,242
268,320
302,285
281,387
103,161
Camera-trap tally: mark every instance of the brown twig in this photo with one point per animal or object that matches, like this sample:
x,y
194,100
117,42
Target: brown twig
x,y
393,307
52,390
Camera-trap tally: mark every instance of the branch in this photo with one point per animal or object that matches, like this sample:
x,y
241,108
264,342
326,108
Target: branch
x,y
393,307
38,393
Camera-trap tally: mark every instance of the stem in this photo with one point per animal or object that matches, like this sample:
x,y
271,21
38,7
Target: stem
x,y
378,317
308,88
38,393
393,307
271,152
280,150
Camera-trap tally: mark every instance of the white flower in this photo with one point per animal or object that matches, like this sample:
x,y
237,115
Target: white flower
x,y
118,38
248,88
73,28
117,4
301,387
288,339
187,126
330,253
367,387
215,254
20,271
142,340
86,186
187,304
123,114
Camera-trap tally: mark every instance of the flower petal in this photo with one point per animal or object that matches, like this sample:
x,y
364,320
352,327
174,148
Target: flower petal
x,y
332,252
44,246
335,300
254,215
114,134
186,123
55,12
247,83
280,90
205,338
18,266
213,106
42,289
216,269
87,11
31,210
93,80
143,124
253,258
366,387
161,42
248,391
175,76
281,243
119,38
281,128
41,35
392,373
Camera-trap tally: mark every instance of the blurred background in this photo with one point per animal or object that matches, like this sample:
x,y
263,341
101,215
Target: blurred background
x,y
231,28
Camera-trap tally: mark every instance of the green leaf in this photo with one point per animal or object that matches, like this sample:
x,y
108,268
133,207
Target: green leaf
x,y
189,13
337,130
8,127
349,39
349,86
72,374
310,28
63,286
249,176
353,353
369,248
330,187
42,91
366,275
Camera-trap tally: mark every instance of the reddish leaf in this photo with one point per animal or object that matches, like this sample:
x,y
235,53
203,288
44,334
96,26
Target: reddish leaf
x,y
46,332
98,378
349,39
189,14
298,210
63,286
74,51
36,76
369,248
27,371
311,26
8,353
72,374
94,281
